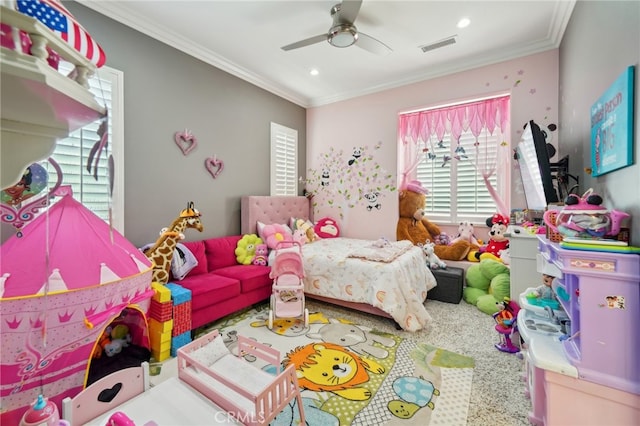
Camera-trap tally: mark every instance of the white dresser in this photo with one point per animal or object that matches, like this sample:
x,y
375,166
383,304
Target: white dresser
x,y
523,247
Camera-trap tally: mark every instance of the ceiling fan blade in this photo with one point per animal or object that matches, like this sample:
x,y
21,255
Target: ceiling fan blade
x,y
372,45
349,10
305,42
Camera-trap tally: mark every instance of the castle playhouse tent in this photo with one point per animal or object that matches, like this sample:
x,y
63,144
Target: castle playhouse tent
x,y
94,277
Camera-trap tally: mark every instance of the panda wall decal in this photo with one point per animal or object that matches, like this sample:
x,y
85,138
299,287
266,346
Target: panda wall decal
x,y
347,180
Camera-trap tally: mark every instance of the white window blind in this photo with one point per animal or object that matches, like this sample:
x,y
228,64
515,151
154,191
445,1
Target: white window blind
x,y
284,160
72,153
456,191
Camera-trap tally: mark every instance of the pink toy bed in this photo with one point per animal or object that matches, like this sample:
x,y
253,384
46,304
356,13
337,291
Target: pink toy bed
x,y
250,394
390,281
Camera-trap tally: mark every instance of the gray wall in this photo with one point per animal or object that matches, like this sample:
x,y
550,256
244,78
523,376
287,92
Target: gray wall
x,y
166,91
601,41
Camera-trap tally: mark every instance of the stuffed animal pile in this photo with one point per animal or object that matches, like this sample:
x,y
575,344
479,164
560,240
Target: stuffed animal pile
x,y
112,341
415,227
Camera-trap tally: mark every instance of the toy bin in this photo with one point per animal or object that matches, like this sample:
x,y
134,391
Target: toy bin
x,y
450,282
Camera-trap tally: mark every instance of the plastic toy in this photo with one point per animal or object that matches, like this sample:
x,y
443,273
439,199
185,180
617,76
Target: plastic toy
x,y
287,296
42,413
544,294
506,319
585,217
120,419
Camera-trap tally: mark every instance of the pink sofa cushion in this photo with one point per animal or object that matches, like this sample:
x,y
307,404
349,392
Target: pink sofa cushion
x,y
207,290
251,277
198,250
221,251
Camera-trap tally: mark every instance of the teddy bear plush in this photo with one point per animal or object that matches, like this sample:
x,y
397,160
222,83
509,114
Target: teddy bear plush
x,y
415,227
498,242
488,283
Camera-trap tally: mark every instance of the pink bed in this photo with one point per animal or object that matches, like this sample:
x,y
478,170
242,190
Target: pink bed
x,y
405,291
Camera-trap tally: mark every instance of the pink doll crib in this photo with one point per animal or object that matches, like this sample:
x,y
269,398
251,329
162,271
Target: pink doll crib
x,y
248,393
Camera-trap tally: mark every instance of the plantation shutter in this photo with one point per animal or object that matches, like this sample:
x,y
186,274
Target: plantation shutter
x,y
284,160
456,190
72,153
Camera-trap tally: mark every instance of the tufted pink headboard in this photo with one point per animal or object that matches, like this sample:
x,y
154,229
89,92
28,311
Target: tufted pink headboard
x,y
268,209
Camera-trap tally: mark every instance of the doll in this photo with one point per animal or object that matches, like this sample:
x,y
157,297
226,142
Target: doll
x,y
545,291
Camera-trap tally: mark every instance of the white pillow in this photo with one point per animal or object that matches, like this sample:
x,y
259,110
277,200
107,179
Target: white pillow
x,y
182,262
210,353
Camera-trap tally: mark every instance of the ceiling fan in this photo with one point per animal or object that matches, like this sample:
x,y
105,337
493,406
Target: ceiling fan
x,y
343,32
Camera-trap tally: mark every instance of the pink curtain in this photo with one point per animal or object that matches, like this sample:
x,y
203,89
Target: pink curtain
x,y
416,130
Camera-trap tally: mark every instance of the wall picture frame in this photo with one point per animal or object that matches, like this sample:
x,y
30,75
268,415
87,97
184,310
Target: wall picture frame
x,y
612,126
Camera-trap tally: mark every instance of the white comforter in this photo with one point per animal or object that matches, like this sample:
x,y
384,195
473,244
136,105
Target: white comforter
x,y
398,287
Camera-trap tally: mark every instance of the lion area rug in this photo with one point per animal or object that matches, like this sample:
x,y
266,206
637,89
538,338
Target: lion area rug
x,y
353,375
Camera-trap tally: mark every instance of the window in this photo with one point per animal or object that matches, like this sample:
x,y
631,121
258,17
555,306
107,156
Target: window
x,y
460,153
456,191
72,153
284,160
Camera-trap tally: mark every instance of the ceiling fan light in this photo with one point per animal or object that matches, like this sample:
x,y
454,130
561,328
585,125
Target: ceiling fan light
x,y
343,36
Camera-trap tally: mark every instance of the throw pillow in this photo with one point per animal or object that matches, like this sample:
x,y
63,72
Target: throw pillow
x,y
327,228
211,352
306,226
246,248
274,233
182,262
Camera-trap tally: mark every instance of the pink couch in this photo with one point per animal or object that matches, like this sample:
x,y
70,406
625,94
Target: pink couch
x,y
219,285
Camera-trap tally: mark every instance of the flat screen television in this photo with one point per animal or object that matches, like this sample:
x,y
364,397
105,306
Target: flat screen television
x,y
535,168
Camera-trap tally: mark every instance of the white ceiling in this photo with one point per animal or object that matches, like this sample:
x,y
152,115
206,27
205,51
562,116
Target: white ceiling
x,y
245,38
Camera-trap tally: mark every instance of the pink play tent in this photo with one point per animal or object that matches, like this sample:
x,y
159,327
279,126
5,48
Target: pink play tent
x,y
61,284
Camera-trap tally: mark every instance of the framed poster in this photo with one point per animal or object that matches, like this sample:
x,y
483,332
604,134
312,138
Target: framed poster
x,y
612,126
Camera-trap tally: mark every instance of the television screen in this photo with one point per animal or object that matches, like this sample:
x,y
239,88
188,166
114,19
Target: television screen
x,y
535,168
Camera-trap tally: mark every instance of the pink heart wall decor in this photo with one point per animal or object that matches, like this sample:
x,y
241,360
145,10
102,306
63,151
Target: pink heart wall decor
x,y
185,141
214,166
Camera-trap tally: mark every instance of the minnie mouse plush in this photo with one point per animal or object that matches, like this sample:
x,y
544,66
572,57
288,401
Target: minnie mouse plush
x,y
497,241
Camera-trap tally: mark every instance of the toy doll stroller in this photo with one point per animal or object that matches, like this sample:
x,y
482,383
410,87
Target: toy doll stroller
x,y
287,292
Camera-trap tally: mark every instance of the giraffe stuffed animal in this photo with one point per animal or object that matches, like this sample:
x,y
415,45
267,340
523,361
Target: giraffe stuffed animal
x,y
161,252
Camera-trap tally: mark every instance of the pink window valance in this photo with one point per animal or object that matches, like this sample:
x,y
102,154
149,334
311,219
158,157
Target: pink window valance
x,y
417,131
421,125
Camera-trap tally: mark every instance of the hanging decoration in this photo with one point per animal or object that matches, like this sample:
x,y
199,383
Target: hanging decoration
x,y
186,141
98,147
33,182
214,166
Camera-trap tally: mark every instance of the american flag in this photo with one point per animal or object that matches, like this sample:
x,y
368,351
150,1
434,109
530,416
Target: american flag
x,y
55,16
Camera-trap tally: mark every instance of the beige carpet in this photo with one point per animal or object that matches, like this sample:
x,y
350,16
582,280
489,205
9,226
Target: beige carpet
x,y
497,390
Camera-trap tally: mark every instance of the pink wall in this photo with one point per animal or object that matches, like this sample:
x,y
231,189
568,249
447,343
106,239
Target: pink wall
x,y
371,120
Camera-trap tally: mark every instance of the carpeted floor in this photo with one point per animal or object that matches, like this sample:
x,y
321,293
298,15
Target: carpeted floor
x,y
497,392
403,380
